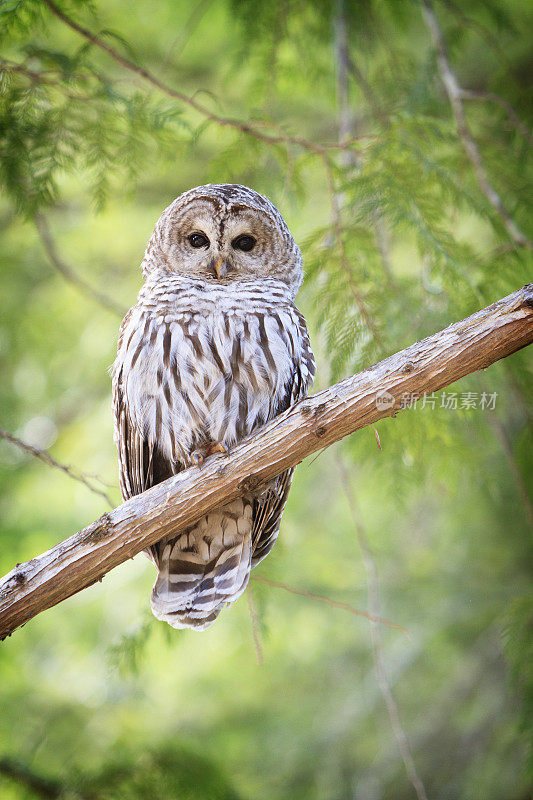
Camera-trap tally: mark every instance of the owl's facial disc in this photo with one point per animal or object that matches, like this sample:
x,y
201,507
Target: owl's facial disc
x,y
214,234
219,242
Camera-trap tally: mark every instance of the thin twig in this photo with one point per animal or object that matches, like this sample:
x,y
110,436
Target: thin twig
x,y
53,78
337,229
505,105
248,128
377,644
482,31
454,92
370,96
343,62
186,32
46,458
320,598
68,273
255,627
345,67
507,448
42,787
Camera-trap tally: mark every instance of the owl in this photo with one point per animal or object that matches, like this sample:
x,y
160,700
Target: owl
x,y
212,350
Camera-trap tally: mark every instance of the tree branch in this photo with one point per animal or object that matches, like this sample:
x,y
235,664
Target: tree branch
x,y
484,33
43,229
46,458
372,580
247,128
321,598
316,422
42,787
256,633
505,105
47,788
507,448
345,66
455,95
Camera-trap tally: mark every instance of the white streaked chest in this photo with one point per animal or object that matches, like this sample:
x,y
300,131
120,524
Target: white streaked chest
x,y
189,377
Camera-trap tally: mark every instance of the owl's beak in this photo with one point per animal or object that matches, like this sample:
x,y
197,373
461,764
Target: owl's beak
x,y
220,268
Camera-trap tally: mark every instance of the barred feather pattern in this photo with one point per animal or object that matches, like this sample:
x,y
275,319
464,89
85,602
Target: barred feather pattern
x,y
202,362
184,379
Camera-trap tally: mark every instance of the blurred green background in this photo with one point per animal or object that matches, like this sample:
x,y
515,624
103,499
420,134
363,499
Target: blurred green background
x,y
285,697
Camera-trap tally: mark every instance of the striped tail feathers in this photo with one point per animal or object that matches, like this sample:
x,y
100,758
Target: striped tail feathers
x,y
204,569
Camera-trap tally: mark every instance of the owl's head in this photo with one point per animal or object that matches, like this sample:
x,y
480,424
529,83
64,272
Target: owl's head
x,y
221,233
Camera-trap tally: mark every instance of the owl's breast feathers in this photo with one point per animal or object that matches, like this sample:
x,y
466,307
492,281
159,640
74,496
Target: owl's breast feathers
x,y
197,365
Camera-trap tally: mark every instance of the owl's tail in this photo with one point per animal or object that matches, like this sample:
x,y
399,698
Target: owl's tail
x,y
203,569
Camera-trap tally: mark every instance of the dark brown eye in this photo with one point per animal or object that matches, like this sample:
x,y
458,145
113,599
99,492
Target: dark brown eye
x,y
245,243
198,240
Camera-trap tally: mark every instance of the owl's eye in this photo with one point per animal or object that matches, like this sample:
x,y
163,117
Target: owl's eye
x,y
198,240
245,243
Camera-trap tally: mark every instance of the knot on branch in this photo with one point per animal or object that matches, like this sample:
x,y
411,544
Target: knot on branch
x,y
17,579
98,531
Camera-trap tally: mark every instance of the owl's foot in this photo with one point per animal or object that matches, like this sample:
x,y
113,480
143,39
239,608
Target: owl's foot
x,y
217,447
197,458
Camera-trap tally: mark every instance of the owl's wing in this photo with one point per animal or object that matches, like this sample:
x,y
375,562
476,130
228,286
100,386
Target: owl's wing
x,y
268,508
141,465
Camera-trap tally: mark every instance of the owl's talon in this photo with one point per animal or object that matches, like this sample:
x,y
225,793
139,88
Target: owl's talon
x,y
197,458
217,447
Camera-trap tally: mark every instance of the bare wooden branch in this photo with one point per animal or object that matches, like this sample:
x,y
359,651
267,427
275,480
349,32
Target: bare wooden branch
x,y
316,422
455,95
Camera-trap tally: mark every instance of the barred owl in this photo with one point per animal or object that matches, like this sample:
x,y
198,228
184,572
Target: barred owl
x,y
213,349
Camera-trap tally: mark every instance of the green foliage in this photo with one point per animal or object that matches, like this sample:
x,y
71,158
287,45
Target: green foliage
x,y
399,240
518,639
175,771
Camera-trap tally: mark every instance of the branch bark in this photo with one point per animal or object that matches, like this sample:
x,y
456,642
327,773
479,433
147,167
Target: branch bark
x,y
316,422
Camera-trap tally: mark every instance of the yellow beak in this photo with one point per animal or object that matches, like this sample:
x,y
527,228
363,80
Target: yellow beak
x,y
218,267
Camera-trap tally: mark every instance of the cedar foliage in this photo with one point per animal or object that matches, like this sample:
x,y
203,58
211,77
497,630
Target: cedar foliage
x,y
398,240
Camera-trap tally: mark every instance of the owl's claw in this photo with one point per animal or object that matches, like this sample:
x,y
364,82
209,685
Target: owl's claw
x,y
217,447
197,458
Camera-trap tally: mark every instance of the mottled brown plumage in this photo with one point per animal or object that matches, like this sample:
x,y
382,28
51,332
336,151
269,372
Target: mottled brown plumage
x,y
213,349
